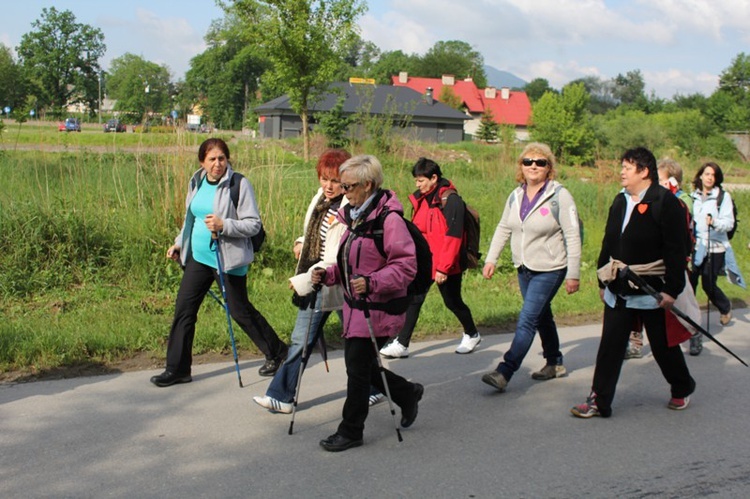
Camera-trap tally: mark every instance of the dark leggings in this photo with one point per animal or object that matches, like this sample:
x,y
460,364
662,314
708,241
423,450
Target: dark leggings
x,y
708,275
450,290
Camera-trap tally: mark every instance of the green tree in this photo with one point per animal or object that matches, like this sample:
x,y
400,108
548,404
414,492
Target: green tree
x,y
629,89
730,104
60,58
536,88
601,93
140,86
305,40
224,78
334,125
562,121
449,98
488,129
391,64
453,57
12,84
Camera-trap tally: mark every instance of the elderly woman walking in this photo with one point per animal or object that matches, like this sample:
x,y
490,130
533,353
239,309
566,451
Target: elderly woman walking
x,y
372,282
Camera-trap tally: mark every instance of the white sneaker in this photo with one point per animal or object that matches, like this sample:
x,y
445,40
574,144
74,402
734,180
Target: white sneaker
x,y
376,398
274,405
468,344
394,350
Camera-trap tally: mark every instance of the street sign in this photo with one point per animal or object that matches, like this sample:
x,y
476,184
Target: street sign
x,y
174,114
6,109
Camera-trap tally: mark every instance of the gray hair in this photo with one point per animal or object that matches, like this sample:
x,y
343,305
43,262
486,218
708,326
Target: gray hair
x,y
365,168
673,169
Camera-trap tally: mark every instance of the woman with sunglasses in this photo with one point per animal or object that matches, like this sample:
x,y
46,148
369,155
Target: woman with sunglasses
x,y
371,280
541,220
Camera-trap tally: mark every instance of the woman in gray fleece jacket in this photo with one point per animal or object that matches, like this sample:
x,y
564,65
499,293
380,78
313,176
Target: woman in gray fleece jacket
x,y
541,221
210,209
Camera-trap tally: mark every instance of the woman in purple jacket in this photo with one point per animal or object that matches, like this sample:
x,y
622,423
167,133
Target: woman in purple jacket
x,y
371,279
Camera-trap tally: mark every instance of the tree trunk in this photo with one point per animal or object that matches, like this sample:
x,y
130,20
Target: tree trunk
x,y
305,136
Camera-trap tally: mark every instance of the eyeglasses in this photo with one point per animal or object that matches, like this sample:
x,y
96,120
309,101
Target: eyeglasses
x,y
348,187
539,162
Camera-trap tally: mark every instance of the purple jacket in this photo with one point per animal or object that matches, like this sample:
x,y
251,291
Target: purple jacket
x,y
389,276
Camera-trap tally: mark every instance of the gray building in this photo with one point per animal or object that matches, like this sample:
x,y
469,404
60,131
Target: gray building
x,y
414,114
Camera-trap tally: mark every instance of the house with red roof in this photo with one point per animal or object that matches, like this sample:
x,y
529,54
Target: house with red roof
x,y
508,107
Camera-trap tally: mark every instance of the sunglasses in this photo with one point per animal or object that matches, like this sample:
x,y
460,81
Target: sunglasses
x,y
348,187
539,162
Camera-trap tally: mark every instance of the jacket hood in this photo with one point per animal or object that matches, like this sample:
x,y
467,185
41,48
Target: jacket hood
x,y
384,198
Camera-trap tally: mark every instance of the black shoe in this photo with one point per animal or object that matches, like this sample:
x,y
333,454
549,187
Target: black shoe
x,y
168,378
270,367
409,416
337,443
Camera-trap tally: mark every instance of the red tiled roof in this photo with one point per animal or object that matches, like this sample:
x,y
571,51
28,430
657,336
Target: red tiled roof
x,y
466,90
516,110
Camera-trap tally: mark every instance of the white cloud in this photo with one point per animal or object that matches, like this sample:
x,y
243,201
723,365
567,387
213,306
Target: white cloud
x,y
169,39
674,81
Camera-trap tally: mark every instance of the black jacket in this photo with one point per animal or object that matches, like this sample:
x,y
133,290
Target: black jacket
x,y
655,231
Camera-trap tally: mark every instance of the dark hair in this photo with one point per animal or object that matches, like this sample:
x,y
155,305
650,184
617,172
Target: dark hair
x,y
426,168
329,162
642,158
718,175
209,144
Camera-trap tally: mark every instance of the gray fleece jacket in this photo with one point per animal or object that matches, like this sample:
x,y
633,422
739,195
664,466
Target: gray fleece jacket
x,y
239,224
539,242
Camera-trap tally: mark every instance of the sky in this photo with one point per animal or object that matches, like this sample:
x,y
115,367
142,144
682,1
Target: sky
x,y
680,46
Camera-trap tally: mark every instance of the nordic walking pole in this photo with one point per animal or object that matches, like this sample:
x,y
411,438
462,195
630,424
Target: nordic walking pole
x,y
642,284
710,273
303,363
366,310
220,269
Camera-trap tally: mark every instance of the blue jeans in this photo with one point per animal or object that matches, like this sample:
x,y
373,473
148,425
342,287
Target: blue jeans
x,y
537,289
284,383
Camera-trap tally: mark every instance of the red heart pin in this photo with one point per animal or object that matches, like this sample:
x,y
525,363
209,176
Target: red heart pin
x,y
642,208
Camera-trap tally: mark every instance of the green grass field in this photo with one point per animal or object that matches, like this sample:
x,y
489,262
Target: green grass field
x,y
86,218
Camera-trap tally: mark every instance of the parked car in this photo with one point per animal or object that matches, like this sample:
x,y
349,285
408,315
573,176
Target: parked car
x,y
70,125
116,126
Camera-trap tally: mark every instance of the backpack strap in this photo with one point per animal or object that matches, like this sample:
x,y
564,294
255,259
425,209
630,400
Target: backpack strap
x,y
234,188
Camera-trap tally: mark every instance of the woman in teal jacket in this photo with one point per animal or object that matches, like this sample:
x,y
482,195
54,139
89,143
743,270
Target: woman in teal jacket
x,y
210,210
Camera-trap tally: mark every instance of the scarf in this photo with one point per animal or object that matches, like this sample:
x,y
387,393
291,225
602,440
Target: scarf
x,y
313,244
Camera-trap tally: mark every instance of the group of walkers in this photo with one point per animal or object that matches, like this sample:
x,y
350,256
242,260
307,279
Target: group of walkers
x,y
358,257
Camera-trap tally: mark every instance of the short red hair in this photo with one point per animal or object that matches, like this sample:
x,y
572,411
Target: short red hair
x,y
329,162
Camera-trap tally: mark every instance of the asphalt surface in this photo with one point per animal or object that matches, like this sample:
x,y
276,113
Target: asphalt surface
x,y
119,436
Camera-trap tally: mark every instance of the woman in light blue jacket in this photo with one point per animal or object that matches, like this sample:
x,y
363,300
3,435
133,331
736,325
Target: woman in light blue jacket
x,y
210,209
713,253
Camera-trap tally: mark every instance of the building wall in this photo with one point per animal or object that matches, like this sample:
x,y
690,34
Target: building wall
x,y
285,127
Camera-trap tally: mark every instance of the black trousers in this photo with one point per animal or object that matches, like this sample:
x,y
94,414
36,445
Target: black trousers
x,y
709,274
450,290
196,281
362,371
618,322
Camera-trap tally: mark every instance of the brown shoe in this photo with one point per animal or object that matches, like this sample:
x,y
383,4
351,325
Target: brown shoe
x,y
725,318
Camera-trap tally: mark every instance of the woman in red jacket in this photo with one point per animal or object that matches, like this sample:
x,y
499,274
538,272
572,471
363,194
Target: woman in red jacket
x,y
439,214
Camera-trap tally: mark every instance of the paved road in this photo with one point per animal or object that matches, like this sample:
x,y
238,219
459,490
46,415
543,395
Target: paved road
x,y
119,436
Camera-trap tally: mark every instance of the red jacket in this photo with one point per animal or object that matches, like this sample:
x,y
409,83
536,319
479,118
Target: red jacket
x,y
442,227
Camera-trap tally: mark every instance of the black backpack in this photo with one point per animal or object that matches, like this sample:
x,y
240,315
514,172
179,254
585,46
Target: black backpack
x,y
470,243
719,202
422,280
234,193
